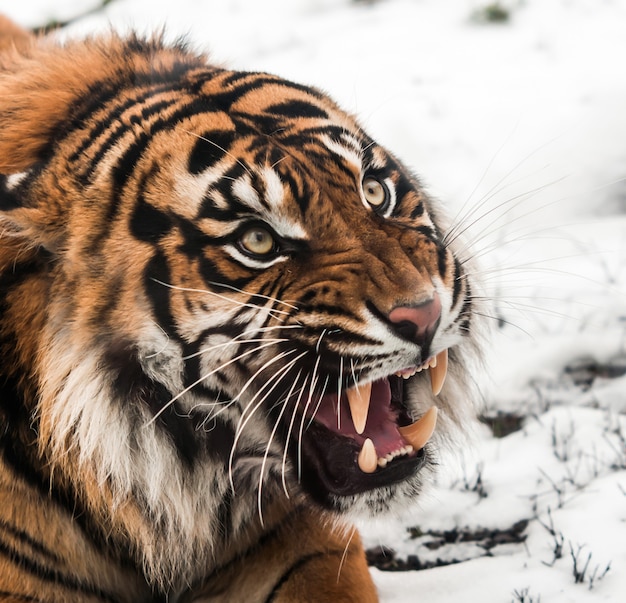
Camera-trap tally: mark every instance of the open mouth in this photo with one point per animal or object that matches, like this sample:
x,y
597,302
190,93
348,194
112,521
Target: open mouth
x,y
363,437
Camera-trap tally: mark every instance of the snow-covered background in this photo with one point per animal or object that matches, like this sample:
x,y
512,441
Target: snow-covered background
x,y
519,127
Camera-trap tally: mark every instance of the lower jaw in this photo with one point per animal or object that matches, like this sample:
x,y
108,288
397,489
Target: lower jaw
x,y
329,468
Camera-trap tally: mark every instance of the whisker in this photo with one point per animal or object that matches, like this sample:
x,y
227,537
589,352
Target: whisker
x,y
267,297
501,207
276,378
497,187
222,297
319,342
294,414
282,411
314,379
167,340
321,395
278,161
345,553
212,372
234,341
502,320
339,385
288,367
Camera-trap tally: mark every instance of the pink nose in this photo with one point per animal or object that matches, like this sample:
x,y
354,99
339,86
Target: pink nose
x,y
417,323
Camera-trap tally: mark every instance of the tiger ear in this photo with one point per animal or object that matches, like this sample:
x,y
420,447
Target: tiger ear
x,y
42,86
38,88
13,37
41,83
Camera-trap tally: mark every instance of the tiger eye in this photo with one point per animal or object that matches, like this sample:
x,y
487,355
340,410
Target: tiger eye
x,y
374,192
257,241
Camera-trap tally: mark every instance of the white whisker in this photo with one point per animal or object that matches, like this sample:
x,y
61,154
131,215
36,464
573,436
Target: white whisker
x,y
345,553
212,372
267,297
294,414
339,385
247,413
233,341
314,379
282,411
222,297
287,368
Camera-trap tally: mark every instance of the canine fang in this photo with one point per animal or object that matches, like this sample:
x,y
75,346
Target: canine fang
x,y
421,431
438,371
368,459
359,402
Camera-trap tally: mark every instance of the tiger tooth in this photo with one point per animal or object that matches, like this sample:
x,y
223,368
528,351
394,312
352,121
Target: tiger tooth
x,y
439,371
359,402
368,459
418,434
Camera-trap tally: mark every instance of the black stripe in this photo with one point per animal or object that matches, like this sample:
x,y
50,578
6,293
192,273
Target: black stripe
x,y
442,262
457,282
265,539
156,279
116,133
290,571
417,211
147,222
126,164
327,310
295,108
18,597
54,576
97,103
26,539
209,149
258,81
16,455
8,199
133,386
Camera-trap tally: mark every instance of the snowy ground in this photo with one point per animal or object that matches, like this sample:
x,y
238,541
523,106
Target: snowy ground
x,y
520,128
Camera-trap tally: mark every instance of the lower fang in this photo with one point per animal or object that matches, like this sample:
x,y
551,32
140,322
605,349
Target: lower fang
x,y
368,459
418,434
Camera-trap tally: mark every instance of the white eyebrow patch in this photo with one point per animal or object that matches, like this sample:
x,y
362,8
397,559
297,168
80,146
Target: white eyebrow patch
x,y
351,155
274,192
271,209
13,180
243,190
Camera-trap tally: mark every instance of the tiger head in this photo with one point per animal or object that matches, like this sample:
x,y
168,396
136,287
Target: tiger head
x,y
226,290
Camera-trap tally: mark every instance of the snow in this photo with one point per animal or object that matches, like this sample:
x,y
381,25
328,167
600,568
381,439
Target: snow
x,y
520,129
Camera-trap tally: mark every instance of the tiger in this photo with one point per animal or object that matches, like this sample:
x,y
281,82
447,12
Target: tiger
x,y
231,324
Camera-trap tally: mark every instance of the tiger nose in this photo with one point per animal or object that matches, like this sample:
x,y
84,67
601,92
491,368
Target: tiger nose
x,y
417,323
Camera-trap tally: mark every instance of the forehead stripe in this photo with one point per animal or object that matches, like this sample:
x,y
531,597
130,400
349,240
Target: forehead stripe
x,y
109,101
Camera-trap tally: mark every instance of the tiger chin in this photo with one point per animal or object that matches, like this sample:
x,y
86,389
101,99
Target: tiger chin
x,y
229,322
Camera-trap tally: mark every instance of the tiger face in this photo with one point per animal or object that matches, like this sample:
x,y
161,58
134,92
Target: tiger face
x,y
234,294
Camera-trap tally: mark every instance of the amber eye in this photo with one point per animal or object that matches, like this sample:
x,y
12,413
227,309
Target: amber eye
x,y
375,192
257,241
